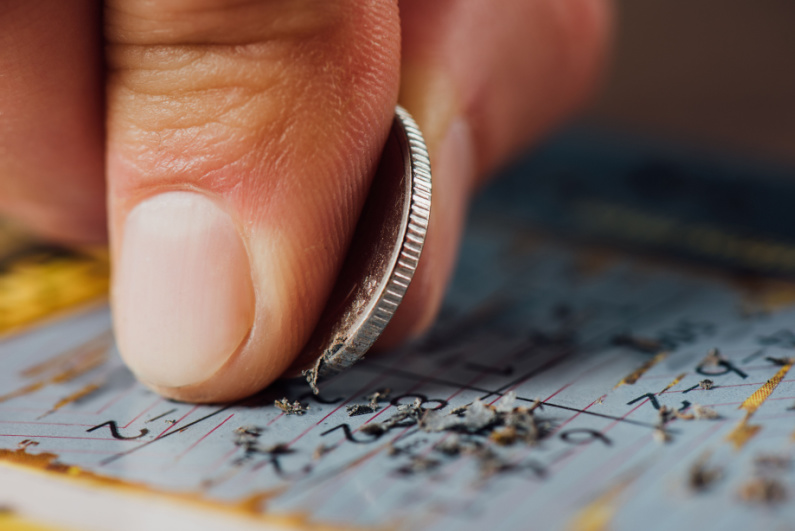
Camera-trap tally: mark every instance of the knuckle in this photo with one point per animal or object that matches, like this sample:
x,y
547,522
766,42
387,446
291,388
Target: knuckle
x,y
196,85
194,108
217,21
178,87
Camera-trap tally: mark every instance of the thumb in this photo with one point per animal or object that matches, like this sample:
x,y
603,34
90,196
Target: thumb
x,y
241,141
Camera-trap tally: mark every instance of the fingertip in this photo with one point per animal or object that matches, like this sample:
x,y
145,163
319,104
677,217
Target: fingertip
x,y
51,114
232,203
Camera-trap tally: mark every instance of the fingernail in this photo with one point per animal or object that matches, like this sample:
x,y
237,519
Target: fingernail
x,y
183,295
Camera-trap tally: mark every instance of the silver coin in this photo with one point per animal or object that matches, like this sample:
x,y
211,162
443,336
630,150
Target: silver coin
x,y
381,260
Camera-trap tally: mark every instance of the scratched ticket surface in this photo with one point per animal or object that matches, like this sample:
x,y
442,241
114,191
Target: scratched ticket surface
x,y
564,387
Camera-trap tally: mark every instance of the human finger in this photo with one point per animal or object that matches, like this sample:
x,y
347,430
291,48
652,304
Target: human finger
x,y
51,118
241,140
483,81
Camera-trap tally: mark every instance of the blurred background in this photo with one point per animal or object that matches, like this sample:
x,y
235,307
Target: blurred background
x,y
688,151
715,73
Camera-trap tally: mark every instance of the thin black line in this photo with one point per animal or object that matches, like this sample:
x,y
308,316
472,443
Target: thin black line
x,y
411,431
577,348
551,363
180,430
417,377
161,415
582,347
561,456
592,413
407,374
483,313
753,356
533,372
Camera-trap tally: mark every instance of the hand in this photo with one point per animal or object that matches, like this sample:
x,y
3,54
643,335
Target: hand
x,y
235,141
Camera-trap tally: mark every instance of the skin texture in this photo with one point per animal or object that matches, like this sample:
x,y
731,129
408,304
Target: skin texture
x,y
52,90
266,118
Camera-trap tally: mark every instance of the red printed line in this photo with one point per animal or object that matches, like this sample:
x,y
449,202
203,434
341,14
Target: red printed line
x,y
223,459
61,437
409,391
357,393
628,413
63,451
153,404
115,399
396,437
25,422
627,454
727,386
325,384
773,417
274,419
474,380
586,408
178,421
370,384
192,446
41,411
737,403
744,368
573,452
558,391
482,373
623,455
703,438
579,449
250,474
575,380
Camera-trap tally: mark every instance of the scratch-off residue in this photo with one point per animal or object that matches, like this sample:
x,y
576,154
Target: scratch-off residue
x,y
77,395
251,506
676,381
74,397
597,515
744,432
635,375
64,367
37,286
752,403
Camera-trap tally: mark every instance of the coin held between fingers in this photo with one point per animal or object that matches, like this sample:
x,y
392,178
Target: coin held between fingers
x,y
382,258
